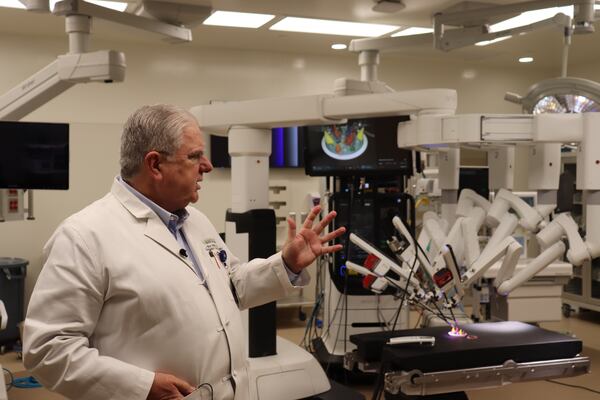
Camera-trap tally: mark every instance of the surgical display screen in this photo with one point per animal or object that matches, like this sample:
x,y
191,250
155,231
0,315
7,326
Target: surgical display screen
x,y
359,147
34,155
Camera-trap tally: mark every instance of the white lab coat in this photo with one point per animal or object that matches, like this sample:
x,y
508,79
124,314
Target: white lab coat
x,y
115,301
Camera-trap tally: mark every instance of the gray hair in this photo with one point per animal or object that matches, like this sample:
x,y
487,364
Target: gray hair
x,y
158,127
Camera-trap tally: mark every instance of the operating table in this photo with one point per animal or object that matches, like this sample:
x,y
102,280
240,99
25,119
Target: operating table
x,y
491,354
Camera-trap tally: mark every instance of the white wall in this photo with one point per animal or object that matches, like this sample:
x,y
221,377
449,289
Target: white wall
x,y
188,76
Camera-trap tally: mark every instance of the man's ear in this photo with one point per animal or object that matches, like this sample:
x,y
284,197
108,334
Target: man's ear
x,y
151,163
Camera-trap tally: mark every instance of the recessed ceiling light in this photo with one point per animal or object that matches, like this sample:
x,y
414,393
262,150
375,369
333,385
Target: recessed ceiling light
x,y
11,4
526,59
530,17
330,27
339,46
413,30
238,19
488,42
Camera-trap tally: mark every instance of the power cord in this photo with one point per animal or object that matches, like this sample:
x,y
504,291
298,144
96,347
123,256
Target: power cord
x,y
9,385
573,386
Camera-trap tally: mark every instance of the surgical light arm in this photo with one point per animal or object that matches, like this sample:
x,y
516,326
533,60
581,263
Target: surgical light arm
x,y
66,71
170,31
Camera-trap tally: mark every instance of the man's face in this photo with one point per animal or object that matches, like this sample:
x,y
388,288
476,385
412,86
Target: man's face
x,y
183,171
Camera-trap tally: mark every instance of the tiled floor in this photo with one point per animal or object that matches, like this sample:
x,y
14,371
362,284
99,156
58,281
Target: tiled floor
x,y
585,326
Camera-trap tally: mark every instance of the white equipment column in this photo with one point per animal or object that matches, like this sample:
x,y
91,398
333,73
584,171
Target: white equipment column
x,y
544,172
501,163
250,149
588,180
449,168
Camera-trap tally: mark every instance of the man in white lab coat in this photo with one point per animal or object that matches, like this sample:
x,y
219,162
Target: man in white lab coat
x,y
138,297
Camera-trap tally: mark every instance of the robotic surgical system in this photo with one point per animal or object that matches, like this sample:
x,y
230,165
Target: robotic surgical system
x,y
432,270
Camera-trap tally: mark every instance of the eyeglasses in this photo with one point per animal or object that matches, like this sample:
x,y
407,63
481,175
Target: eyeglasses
x,y
194,157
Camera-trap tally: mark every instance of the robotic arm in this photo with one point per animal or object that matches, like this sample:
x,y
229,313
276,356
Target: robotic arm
x,y
380,265
579,251
550,240
529,217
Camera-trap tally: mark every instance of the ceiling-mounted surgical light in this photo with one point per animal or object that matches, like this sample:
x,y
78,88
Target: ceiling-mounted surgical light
x,y
560,95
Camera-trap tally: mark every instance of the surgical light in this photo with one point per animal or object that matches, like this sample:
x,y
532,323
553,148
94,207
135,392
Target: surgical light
x,y
331,27
238,19
413,30
11,4
526,59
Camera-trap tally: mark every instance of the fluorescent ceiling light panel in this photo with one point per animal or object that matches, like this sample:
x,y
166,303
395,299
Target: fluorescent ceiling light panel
x,y
11,4
330,27
531,17
488,42
238,19
414,30
113,5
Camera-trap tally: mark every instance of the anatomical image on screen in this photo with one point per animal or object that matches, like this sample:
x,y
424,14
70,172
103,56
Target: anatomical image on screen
x,y
359,147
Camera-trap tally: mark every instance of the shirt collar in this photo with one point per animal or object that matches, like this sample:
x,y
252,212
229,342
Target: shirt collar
x,y
173,221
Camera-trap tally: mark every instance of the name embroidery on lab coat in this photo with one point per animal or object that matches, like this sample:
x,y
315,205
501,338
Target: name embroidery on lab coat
x,y
217,253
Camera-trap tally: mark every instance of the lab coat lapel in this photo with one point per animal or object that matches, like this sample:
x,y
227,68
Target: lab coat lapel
x,y
157,231
155,228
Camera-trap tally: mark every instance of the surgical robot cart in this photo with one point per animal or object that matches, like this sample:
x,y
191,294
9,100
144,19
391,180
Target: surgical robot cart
x,y
491,354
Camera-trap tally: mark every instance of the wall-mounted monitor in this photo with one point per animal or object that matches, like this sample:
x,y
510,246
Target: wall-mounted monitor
x,y
34,155
287,149
359,147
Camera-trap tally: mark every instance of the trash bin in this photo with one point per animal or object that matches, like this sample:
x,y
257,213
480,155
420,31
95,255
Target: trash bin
x,y
12,292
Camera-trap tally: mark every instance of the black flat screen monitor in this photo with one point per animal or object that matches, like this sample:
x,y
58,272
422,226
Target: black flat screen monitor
x,y
34,155
360,147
